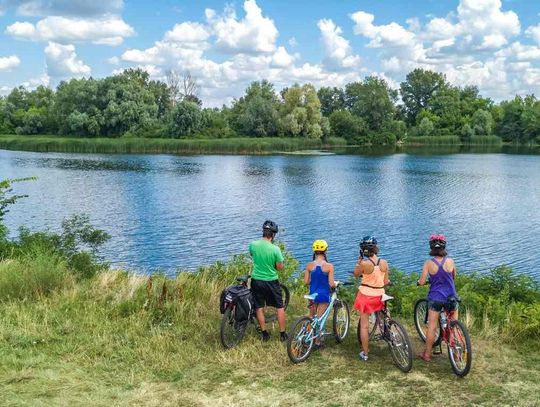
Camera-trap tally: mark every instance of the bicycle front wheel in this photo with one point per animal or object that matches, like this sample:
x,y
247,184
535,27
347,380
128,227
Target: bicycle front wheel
x,y
421,321
400,346
231,331
459,348
341,320
301,339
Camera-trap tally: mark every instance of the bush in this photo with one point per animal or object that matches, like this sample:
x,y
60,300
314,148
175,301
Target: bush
x,y
37,273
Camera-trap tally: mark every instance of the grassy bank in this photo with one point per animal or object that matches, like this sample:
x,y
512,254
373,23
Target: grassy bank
x,y
122,339
162,146
453,141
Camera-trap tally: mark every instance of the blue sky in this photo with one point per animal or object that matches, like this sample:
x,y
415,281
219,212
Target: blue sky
x,y
225,45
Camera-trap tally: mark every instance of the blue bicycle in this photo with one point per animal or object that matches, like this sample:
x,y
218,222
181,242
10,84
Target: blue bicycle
x,y
306,331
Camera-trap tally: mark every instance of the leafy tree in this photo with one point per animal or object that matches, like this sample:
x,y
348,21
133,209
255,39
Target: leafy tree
x,y
352,128
511,127
331,99
216,123
482,122
426,127
186,120
466,133
301,112
255,114
372,100
418,89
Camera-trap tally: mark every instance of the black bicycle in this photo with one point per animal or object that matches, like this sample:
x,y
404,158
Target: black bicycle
x,y
232,328
393,333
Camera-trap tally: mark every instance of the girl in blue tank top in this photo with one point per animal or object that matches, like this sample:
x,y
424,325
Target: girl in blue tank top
x,y
319,276
441,271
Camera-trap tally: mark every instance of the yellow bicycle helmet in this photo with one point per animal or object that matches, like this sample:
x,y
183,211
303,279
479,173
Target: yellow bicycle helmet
x,y
320,246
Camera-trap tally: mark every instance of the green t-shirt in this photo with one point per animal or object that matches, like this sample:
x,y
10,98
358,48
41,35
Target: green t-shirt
x,y
265,255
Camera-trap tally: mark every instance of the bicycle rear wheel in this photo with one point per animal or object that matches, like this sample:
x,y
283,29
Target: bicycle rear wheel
x,y
301,339
421,321
342,317
372,327
231,332
400,346
286,295
459,348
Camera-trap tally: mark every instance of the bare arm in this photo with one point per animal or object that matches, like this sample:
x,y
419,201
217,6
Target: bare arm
x,y
331,275
358,268
386,276
307,275
454,270
425,272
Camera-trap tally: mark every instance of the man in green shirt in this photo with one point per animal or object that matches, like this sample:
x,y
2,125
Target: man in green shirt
x,y
267,260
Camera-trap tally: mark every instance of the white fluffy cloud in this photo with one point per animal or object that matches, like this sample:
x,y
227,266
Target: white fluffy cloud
x,y
81,8
534,32
469,45
252,34
62,62
109,30
338,51
8,63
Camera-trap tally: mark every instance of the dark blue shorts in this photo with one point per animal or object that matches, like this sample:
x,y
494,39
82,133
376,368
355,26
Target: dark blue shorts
x,y
439,306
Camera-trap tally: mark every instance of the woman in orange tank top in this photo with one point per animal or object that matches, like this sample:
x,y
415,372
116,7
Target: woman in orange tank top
x,y
374,272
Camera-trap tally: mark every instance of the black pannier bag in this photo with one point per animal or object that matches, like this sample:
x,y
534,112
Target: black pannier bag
x,y
240,296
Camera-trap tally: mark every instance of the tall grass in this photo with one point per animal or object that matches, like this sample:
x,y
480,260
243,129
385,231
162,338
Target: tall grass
x,y
162,146
485,141
453,141
433,140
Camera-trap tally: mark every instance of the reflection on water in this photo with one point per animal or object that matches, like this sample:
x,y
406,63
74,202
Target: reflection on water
x,y
167,212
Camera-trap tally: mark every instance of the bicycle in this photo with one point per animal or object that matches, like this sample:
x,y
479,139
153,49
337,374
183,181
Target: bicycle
x,y
231,330
306,330
393,333
450,331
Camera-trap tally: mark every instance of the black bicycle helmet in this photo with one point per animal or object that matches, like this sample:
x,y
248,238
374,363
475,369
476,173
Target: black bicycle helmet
x,y
270,226
437,242
367,243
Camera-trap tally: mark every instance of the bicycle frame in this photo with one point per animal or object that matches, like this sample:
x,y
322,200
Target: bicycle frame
x,y
320,322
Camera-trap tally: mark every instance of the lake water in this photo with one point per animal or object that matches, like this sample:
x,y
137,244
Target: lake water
x,y
169,212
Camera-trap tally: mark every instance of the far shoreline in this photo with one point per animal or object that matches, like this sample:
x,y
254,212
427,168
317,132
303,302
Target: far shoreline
x,y
243,146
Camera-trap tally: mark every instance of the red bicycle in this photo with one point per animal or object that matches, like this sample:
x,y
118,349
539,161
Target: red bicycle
x,y
450,331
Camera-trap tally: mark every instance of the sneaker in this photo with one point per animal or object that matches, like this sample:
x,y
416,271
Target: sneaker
x,y
265,336
283,336
363,356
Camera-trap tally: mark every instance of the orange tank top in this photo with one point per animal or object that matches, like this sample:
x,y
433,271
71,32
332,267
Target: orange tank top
x,y
373,283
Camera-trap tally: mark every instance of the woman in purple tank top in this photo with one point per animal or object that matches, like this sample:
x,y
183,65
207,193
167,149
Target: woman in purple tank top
x,y
442,272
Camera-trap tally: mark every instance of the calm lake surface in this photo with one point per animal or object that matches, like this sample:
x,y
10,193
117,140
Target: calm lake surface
x,y
178,212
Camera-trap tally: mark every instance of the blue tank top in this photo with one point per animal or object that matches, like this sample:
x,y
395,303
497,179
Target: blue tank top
x,y
442,284
319,284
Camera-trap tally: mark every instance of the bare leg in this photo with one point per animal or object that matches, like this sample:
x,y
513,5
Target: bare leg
x,y
364,332
281,319
260,318
433,322
320,310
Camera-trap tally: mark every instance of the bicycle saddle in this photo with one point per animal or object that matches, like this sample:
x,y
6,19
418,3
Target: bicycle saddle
x,y
243,279
310,296
386,298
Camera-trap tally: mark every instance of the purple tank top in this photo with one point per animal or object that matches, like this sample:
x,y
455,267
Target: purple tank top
x,y
442,284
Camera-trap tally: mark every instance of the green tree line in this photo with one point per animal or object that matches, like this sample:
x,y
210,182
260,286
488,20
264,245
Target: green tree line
x,y
364,112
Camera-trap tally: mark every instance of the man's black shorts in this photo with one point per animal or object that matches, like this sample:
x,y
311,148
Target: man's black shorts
x,y
266,293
